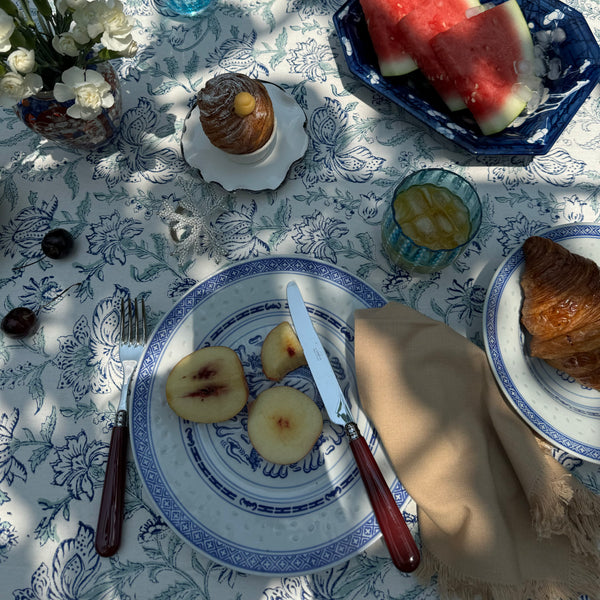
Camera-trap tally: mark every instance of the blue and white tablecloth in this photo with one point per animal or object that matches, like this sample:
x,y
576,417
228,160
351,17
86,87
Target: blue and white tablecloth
x,y
145,223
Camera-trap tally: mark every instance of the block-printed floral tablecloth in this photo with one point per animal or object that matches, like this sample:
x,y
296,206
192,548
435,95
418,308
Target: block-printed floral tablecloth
x,y
146,223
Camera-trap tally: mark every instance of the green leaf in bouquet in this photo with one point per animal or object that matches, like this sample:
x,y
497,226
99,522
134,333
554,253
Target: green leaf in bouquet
x,y
43,7
9,8
18,40
106,54
30,38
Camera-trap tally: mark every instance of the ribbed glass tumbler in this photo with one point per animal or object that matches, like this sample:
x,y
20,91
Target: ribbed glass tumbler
x,y
432,217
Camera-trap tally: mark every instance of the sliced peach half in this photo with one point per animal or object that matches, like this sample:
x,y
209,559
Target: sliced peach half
x,y
284,424
208,385
281,352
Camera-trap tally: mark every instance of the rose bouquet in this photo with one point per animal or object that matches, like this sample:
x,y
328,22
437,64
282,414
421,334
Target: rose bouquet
x,y
54,47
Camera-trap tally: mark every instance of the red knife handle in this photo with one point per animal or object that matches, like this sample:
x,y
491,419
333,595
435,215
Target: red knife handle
x,y
110,518
399,541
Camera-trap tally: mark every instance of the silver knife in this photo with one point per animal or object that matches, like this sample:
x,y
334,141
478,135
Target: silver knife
x,y
399,541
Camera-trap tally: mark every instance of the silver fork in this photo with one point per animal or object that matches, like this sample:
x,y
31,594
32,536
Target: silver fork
x,y
134,334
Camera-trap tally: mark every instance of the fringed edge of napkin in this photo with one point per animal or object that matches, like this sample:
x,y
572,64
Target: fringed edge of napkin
x,y
565,507
584,578
562,506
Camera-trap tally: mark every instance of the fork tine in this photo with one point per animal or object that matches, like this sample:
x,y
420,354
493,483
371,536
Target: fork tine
x,y
134,327
122,319
130,336
144,324
137,323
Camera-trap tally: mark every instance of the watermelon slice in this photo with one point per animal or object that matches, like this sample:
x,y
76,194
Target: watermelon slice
x,y
489,58
417,29
381,17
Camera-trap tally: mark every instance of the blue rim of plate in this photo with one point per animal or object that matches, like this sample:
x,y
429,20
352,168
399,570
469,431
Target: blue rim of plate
x,y
243,558
537,133
517,397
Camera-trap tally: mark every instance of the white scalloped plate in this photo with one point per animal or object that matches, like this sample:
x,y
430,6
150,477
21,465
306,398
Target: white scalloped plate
x,y
215,165
207,481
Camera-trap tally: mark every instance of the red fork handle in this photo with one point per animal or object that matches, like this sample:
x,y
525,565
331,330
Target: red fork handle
x,y
398,539
110,517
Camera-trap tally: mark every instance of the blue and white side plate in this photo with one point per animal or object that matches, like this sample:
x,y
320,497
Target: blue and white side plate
x,y
207,481
564,412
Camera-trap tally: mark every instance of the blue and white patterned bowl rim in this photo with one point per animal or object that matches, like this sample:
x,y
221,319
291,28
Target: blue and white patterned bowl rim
x,y
538,132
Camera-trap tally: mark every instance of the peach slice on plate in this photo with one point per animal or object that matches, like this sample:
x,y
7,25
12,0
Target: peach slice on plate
x,y
281,352
208,385
284,424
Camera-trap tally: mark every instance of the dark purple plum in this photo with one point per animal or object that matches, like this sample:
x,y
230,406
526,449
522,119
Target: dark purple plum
x,y
57,243
19,322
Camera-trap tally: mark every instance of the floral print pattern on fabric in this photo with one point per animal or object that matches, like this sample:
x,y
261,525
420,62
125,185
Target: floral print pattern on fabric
x,y
145,223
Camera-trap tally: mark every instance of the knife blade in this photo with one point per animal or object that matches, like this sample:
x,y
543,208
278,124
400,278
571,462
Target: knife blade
x,y
398,539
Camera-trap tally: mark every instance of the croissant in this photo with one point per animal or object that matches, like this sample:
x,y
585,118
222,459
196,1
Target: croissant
x,y
561,309
583,366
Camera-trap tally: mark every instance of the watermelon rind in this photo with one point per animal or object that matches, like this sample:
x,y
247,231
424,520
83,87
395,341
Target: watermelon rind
x,y
419,26
509,101
381,17
397,67
517,101
513,106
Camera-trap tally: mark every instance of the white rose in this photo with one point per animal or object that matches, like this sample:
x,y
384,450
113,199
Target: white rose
x,y
75,4
65,44
86,16
90,90
115,21
80,34
15,87
7,26
21,61
122,44
110,21
61,6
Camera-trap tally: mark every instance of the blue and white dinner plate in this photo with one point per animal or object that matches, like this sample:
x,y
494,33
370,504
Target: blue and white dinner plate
x,y
561,410
208,482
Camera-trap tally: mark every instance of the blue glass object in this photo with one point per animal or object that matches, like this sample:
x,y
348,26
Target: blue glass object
x,y
188,8
579,55
402,250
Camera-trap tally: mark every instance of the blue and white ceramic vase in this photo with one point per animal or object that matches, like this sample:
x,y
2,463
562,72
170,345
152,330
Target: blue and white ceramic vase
x,y
48,117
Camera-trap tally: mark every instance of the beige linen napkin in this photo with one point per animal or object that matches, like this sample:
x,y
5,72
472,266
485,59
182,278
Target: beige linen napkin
x,y
499,518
